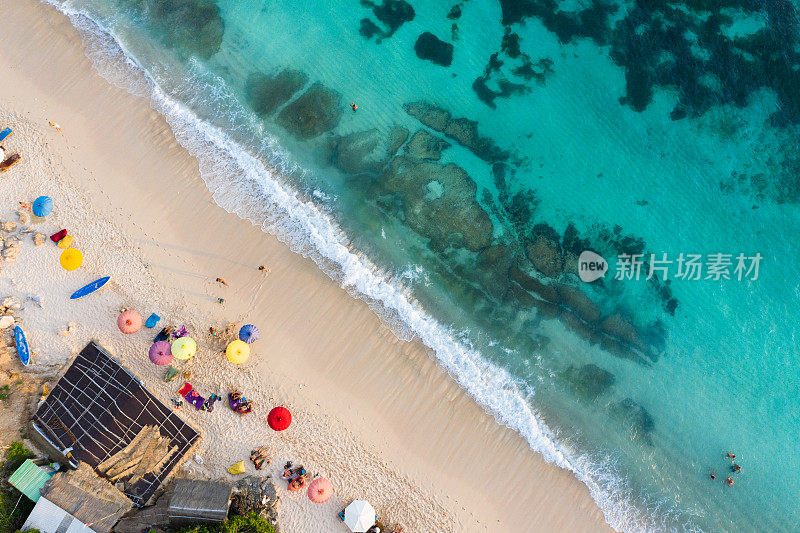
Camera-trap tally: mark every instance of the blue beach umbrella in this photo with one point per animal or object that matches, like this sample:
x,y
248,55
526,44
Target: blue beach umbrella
x,y
42,206
249,333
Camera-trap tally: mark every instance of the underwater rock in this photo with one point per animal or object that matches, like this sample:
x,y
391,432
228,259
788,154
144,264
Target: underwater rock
x,y
397,136
518,296
190,27
369,29
710,68
545,255
572,242
636,417
508,71
581,328
430,115
423,145
592,22
314,112
431,48
438,202
589,381
350,153
616,326
266,93
461,130
493,264
532,284
454,13
392,13
581,304
546,309
521,208
465,132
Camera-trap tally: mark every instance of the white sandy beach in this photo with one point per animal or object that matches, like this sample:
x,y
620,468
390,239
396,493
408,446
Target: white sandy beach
x,y
373,414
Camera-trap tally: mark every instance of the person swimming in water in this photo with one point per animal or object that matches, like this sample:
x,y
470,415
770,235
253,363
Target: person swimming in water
x,y
736,468
730,456
354,106
729,481
712,475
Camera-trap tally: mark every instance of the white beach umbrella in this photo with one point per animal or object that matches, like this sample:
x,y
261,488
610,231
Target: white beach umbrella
x,y
359,516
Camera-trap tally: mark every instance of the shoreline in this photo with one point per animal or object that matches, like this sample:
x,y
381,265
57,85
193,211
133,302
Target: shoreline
x,y
345,364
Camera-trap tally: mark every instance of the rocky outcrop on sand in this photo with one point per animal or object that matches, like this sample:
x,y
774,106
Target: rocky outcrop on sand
x,y
265,93
256,495
314,112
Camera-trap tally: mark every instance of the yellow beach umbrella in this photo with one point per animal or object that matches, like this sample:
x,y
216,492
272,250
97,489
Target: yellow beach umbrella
x,y
184,348
71,259
237,352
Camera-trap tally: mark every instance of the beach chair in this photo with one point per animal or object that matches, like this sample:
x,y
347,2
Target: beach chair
x,y
9,162
6,133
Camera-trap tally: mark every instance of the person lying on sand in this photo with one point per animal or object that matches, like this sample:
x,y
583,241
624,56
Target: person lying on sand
x,y
291,473
259,457
55,125
220,280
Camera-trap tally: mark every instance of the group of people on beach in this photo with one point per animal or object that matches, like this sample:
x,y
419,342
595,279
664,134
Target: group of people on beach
x,y
735,469
221,281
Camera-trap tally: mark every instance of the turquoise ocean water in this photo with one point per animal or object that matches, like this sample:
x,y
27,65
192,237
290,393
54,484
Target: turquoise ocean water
x,y
494,141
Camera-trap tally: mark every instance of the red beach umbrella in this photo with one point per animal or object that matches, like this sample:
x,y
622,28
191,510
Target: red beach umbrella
x,y
279,418
129,322
161,353
320,490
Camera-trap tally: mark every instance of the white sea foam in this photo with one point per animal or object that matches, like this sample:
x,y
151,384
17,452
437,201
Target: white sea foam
x,y
243,184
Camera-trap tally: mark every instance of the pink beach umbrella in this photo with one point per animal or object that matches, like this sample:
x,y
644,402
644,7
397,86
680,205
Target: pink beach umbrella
x,y
129,322
161,353
320,490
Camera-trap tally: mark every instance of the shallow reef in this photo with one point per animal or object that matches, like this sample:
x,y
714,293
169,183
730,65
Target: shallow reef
x,y
189,27
266,93
314,112
391,13
431,48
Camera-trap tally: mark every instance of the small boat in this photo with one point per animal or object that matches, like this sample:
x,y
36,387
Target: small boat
x,y
9,162
90,288
22,345
5,134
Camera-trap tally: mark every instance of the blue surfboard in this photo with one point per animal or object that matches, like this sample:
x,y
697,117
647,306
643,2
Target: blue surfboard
x,y
4,134
22,345
90,288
